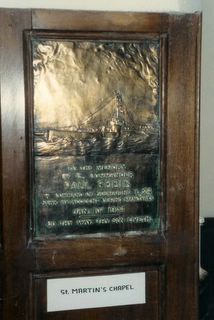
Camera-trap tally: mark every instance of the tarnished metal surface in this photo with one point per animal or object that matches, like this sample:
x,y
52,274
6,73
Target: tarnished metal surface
x,y
73,78
95,103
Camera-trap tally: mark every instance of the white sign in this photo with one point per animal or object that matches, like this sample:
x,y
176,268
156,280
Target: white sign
x,y
95,291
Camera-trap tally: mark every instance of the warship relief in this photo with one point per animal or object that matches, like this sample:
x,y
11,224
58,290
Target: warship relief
x,y
96,117
118,133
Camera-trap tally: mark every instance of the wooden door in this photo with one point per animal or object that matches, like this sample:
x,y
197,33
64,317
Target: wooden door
x,y
99,163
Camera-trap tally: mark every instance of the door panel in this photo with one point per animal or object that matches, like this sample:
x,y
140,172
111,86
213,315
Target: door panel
x,y
182,186
151,309
13,155
99,149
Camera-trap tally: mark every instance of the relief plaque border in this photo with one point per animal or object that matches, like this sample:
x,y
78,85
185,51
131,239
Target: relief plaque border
x,y
94,36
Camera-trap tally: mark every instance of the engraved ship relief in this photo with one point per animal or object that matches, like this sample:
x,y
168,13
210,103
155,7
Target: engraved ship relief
x,y
113,126
110,128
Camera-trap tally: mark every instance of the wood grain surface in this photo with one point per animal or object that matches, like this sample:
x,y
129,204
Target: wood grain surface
x,y
169,257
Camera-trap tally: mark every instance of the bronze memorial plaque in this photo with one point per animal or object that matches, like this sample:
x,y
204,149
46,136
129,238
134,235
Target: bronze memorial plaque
x,y
95,135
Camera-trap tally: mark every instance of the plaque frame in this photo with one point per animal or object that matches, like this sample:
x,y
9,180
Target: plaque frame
x,y
162,79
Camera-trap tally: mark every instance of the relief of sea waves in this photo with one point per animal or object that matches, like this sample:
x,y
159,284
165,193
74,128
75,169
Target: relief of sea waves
x,y
135,143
